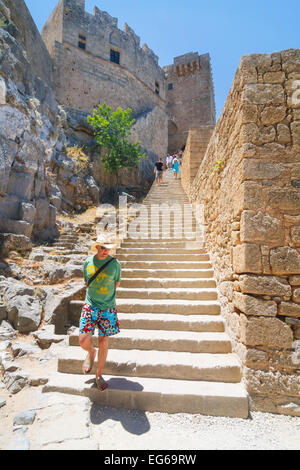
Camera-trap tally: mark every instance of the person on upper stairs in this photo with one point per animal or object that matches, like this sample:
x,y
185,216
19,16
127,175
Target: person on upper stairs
x,y
159,170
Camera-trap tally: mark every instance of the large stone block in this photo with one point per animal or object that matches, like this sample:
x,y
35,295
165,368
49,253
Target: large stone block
x,y
261,228
263,94
285,260
291,60
270,332
265,285
273,114
247,259
295,235
289,309
255,169
27,212
252,196
284,199
11,242
253,306
272,383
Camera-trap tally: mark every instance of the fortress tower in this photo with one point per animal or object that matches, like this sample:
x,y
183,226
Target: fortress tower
x,y
190,97
94,61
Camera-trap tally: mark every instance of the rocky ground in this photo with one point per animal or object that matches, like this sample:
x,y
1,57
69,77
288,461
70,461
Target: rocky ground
x,y
29,349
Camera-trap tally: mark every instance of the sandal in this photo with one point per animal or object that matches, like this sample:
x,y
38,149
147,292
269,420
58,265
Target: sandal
x,y
101,384
88,364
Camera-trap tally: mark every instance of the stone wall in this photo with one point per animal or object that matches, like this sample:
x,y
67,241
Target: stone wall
x,y
249,184
190,97
195,149
86,77
33,44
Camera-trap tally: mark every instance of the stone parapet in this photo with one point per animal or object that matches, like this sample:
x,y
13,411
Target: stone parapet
x,y
249,184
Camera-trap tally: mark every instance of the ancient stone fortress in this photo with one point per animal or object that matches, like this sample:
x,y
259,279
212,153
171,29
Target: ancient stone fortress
x,y
94,61
245,170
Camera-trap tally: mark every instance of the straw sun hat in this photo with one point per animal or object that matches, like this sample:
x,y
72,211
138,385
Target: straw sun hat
x,y
104,240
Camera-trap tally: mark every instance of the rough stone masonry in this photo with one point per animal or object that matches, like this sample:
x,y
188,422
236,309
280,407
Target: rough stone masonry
x,y
249,183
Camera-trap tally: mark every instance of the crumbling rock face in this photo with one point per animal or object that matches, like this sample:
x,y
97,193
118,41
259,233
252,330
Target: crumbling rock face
x,y
32,141
28,137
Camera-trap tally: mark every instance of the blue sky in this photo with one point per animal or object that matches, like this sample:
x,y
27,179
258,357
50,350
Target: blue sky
x,y
226,29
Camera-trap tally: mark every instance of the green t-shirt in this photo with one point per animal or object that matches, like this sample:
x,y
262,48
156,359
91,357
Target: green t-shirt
x,y
102,291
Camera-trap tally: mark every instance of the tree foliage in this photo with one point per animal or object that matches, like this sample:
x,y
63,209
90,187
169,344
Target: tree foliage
x,y
111,130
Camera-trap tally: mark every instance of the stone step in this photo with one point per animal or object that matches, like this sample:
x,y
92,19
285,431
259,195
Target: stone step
x,y
183,256
181,307
137,306
164,364
167,273
188,283
64,244
149,340
166,265
167,293
158,395
183,244
155,251
148,321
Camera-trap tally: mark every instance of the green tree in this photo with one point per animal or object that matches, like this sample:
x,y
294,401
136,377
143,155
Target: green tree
x,y
111,130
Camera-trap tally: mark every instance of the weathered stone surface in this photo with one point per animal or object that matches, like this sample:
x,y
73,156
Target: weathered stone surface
x,y
46,336
247,259
260,227
56,307
289,309
273,114
295,235
263,94
270,332
283,133
16,381
284,199
296,295
265,285
255,169
253,306
12,242
294,280
24,418
272,383
285,260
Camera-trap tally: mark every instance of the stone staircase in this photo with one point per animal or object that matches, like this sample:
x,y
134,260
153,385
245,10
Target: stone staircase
x,y
173,354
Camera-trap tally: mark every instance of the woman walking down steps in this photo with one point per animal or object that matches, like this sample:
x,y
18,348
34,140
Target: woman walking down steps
x,y
173,354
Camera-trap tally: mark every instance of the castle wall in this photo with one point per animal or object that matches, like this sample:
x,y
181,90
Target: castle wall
x,y
36,51
190,97
85,77
91,70
252,206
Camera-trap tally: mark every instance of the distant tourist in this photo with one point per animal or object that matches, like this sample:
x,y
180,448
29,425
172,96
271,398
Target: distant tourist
x,y
102,274
169,162
176,170
158,170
